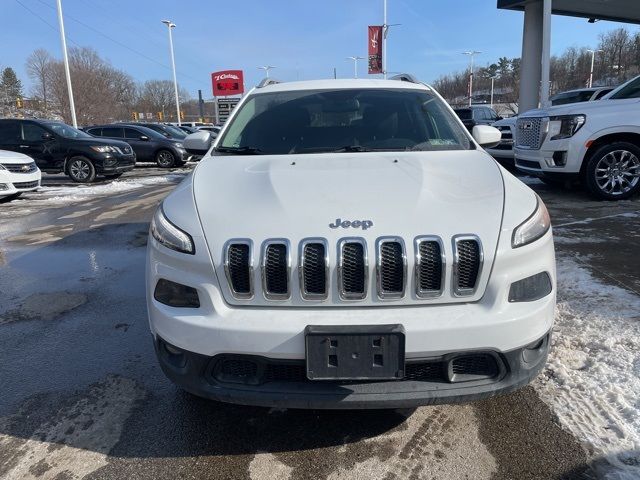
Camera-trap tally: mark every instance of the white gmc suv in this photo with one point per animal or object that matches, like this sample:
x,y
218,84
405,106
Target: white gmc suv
x,y
348,244
597,143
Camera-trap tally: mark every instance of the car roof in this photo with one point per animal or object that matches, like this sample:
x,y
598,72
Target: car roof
x,y
342,83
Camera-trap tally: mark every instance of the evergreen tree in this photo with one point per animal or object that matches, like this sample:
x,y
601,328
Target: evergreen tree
x,y
10,85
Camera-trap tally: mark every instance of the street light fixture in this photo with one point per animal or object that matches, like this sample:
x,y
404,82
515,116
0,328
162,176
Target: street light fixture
x,y
170,25
355,59
266,69
472,54
593,59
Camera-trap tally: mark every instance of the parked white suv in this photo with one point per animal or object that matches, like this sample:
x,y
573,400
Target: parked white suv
x,y
18,174
595,142
348,244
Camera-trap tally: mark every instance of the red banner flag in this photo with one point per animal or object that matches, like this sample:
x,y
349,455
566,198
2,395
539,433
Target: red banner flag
x,y
227,82
375,49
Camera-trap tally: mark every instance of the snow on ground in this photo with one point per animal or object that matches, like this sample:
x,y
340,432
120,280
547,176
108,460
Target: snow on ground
x,y
592,379
79,192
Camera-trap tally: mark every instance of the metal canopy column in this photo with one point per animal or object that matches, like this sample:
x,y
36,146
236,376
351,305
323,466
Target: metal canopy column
x,y
531,64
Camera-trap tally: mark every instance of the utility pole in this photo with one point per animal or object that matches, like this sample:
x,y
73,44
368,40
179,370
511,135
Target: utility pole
x,y
335,73
355,59
266,69
593,59
65,57
492,82
472,54
170,25
201,105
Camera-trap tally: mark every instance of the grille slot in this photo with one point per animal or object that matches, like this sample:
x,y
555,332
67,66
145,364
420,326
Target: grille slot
x,y
353,268
33,184
239,268
430,267
275,269
391,267
529,133
467,264
314,269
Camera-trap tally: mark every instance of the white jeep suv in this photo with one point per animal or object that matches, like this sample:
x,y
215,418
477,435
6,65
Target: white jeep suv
x,y
348,244
597,143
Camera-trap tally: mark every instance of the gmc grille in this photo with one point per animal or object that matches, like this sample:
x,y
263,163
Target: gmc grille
x,y
466,264
529,133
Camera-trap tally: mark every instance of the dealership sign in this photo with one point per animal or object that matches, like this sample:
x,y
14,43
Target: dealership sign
x,y
227,82
375,49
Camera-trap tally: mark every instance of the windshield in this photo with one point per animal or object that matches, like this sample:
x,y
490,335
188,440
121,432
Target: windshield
x,y
174,131
629,90
344,120
67,131
572,97
464,113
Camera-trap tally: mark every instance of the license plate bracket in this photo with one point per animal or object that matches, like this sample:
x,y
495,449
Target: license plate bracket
x,y
355,352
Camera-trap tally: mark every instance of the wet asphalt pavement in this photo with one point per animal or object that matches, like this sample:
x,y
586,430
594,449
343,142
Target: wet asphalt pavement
x,y
81,394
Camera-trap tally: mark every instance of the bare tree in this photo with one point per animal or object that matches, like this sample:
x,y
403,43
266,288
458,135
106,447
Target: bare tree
x,y
158,95
39,65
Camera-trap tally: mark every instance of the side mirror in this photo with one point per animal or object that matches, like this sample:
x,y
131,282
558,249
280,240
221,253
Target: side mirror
x,y
47,136
198,143
499,117
486,136
144,137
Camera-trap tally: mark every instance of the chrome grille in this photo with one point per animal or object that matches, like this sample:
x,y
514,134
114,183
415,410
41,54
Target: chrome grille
x,y
314,269
391,267
428,277
239,268
529,132
20,168
466,264
430,267
353,268
276,266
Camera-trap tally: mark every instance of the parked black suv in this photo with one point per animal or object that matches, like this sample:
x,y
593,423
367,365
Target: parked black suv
x,y
57,147
168,131
149,145
477,115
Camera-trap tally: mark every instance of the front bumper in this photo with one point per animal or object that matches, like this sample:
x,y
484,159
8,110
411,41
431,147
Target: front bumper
x,y
426,381
12,183
112,164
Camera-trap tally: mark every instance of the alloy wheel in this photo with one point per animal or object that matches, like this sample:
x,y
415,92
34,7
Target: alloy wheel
x,y
617,172
165,159
80,169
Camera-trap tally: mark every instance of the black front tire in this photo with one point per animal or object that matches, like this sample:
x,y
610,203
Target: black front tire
x,y
613,171
81,170
165,159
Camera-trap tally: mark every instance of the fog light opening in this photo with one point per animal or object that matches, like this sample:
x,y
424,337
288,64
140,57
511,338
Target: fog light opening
x,y
176,295
533,352
531,288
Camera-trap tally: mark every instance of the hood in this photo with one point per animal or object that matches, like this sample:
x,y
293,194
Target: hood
x,y
101,141
402,194
14,157
588,108
506,122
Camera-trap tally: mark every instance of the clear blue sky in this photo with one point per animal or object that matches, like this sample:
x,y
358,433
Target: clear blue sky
x,y
303,38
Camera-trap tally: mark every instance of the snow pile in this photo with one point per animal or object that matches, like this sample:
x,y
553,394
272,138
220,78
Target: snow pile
x,y
79,192
592,380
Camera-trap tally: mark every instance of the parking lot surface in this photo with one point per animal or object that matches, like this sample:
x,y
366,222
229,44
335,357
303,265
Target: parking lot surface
x,y
82,395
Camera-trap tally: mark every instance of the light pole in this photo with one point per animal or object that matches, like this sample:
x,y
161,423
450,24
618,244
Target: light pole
x,y
170,25
493,79
67,73
472,54
355,59
266,69
593,59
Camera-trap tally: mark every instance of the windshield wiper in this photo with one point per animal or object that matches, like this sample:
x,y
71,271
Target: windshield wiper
x,y
240,150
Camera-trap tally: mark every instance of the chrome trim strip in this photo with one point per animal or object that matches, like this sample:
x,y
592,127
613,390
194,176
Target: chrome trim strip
x,y
352,296
225,249
465,292
263,258
382,294
303,290
418,261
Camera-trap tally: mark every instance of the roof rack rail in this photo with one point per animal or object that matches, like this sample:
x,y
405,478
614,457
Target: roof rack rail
x,y
405,77
268,81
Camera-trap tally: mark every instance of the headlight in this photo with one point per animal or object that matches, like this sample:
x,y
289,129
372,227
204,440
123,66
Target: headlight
x,y
565,126
533,227
169,235
103,148
179,145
